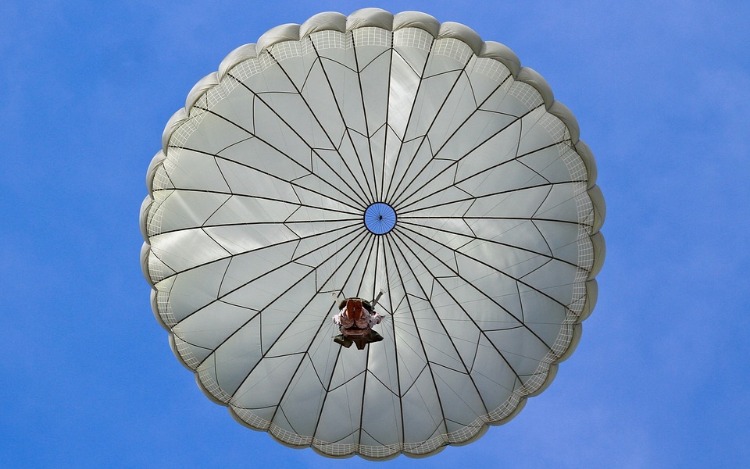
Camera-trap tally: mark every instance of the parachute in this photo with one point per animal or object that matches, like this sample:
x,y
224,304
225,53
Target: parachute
x,y
372,155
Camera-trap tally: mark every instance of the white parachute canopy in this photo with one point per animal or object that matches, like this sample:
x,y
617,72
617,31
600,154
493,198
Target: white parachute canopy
x,y
352,155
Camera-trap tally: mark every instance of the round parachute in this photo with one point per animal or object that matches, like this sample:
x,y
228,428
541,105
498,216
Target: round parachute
x,y
385,157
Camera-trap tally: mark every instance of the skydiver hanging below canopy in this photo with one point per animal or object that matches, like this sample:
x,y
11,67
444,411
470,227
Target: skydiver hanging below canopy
x,y
355,320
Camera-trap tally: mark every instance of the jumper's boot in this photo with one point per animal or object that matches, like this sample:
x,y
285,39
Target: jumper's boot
x,y
375,337
343,341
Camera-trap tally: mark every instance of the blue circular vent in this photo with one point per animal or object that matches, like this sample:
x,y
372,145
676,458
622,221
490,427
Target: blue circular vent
x,y
380,218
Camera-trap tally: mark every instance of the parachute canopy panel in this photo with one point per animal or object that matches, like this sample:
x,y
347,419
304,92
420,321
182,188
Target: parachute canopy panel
x,y
355,155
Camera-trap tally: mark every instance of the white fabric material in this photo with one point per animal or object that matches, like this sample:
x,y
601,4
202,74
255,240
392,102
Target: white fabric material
x,y
255,220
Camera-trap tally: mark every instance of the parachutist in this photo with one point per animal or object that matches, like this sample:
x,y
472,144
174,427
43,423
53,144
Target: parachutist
x,y
355,320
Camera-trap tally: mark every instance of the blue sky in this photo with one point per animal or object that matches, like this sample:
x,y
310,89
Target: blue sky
x,y
661,91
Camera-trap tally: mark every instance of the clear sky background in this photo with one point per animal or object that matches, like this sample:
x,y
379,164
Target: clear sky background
x,y
661,90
